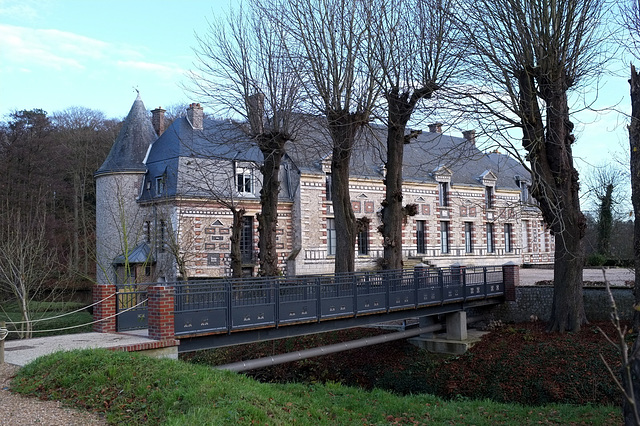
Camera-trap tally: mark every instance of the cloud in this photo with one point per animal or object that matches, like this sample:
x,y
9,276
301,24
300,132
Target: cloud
x,y
54,50
163,70
58,50
25,9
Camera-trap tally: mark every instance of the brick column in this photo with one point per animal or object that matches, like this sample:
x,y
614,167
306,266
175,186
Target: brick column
x,y
160,314
511,279
105,309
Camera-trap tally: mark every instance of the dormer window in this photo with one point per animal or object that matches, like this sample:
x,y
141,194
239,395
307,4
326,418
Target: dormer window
x,y
328,187
488,195
443,194
442,175
160,185
244,180
524,190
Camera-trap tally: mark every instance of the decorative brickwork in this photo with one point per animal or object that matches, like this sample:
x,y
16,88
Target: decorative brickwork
x,y
161,306
105,309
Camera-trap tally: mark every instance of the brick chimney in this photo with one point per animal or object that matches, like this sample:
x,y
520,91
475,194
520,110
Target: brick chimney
x,y
435,128
255,108
195,116
157,119
469,135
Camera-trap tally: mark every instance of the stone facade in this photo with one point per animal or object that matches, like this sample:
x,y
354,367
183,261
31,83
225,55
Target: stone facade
x,y
173,205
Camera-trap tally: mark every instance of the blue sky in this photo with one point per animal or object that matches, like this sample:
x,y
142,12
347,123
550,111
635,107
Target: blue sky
x,y
55,54
60,53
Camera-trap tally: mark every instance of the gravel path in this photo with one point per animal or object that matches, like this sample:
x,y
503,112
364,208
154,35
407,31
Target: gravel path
x,y
18,410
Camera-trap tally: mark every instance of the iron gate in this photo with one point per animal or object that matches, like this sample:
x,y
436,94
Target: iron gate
x,y
131,306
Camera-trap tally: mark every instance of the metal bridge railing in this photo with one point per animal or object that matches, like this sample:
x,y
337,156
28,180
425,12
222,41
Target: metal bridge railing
x,y
237,304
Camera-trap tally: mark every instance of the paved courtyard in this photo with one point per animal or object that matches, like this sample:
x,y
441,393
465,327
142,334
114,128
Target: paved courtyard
x,y
615,276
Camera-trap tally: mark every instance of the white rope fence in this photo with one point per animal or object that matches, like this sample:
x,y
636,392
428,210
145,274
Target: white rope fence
x,y
72,326
62,315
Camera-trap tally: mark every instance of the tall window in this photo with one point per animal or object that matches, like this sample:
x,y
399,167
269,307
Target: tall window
x,y
507,238
421,228
444,237
468,237
490,240
328,187
331,237
147,231
525,236
488,194
443,194
244,180
363,241
246,239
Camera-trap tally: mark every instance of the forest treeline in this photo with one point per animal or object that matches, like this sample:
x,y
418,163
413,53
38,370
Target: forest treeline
x,y
47,192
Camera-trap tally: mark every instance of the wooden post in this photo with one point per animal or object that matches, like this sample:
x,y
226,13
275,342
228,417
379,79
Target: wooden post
x,y
2,337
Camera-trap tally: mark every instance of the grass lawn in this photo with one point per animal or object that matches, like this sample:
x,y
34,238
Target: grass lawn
x,y
10,312
133,389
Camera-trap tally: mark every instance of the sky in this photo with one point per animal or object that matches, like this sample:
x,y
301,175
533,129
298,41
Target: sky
x,y
56,54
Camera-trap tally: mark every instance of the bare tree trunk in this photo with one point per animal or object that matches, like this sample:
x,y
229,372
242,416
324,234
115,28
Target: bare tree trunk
x,y
634,142
272,147
400,106
567,312
392,204
75,253
556,188
236,231
343,127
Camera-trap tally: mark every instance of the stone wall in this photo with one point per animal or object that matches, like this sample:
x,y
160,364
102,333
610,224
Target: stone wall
x,y
536,301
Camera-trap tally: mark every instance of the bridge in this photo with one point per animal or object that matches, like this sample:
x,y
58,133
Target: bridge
x,y
224,312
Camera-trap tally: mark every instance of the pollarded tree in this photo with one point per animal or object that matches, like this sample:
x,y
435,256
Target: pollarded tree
x,y
630,14
528,55
244,69
416,50
328,42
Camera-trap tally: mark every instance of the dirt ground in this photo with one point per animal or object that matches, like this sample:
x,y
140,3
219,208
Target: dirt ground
x,y
18,410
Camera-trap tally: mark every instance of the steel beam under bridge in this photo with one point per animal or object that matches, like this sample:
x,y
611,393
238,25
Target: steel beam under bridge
x,y
210,341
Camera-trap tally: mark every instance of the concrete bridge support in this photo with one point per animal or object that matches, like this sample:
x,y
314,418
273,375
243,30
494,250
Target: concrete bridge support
x,y
455,340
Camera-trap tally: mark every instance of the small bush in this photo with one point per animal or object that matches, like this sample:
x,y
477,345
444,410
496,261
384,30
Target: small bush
x,y
596,259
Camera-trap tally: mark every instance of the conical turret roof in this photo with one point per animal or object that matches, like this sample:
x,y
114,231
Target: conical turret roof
x,y
130,147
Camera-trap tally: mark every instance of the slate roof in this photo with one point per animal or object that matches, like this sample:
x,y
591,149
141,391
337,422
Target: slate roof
x,y
219,139
130,147
140,254
138,149
422,156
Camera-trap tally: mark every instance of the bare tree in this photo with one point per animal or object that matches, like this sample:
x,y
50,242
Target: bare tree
x,y
528,55
328,42
244,69
424,31
85,137
26,260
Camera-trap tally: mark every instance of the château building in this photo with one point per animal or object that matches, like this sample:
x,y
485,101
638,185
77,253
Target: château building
x,y
165,201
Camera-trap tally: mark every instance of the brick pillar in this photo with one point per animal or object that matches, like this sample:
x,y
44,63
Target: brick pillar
x,y
511,279
105,309
160,314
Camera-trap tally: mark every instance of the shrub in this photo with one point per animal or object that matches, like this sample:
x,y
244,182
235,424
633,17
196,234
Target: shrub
x,y
596,259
